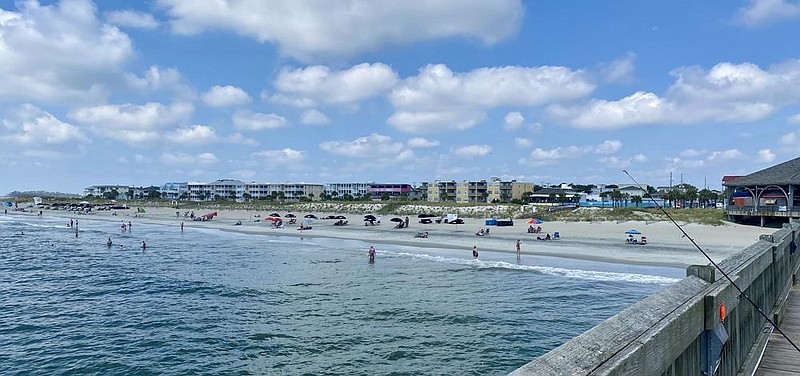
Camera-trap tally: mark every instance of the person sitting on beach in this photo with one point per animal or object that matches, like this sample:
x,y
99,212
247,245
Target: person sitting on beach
x,y
480,232
531,229
547,237
486,232
538,229
422,234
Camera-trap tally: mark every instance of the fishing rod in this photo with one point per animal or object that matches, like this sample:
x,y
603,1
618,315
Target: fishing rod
x,y
724,274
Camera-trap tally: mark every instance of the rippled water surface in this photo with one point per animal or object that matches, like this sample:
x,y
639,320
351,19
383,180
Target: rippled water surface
x,y
220,303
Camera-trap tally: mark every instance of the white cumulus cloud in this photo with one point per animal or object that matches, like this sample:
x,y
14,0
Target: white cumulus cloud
x,y
256,121
608,147
420,143
319,84
60,53
314,117
472,151
225,96
724,155
30,125
206,158
760,12
523,143
439,99
195,134
176,158
622,70
132,18
132,123
367,147
513,120
765,156
312,30
727,92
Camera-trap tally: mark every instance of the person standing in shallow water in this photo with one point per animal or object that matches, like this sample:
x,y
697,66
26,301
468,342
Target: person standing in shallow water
x,y
519,246
475,251
371,253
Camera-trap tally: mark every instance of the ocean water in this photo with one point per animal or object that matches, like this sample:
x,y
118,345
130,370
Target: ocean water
x,y
209,302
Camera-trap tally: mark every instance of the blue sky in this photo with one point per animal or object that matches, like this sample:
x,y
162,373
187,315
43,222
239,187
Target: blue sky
x,y
141,93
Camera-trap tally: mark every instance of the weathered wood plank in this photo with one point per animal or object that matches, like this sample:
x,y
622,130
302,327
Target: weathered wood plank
x,y
781,358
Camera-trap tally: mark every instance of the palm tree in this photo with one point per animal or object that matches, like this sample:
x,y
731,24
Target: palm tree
x,y
603,197
636,200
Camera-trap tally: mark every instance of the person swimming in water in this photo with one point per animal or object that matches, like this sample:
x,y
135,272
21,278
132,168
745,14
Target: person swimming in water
x,y
475,251
371,253
144,245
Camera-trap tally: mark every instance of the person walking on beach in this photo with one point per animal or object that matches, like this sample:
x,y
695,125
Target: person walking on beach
x,y
371,253
475,251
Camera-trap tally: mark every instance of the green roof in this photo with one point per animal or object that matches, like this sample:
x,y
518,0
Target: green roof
x,y
781,174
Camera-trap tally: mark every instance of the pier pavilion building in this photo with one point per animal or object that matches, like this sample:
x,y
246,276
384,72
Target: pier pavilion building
x,y
771,195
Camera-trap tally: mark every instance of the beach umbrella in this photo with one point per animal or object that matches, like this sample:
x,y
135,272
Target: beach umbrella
x,y
535,221
396,219
427,216
290,215
272,219
632,232
339,217
370,217
312,216
274,215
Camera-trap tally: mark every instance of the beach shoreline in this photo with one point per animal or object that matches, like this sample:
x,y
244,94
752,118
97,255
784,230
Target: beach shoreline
x,y
590,241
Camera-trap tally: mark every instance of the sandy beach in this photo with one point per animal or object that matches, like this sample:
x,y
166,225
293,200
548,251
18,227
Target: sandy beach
x,y
597,241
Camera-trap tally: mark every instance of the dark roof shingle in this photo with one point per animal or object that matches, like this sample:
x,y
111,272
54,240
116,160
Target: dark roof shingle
x,y
781,174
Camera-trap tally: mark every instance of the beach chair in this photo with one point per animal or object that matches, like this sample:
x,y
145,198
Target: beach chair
x,y
556,235
643,241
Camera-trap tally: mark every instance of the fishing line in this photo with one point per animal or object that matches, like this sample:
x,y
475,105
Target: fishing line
x,y
741,293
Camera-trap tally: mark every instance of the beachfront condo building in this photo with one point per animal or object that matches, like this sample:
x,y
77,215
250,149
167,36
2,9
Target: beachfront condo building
x,y
285,191
392,191
347,190
228,189
121,192
175,191
493,190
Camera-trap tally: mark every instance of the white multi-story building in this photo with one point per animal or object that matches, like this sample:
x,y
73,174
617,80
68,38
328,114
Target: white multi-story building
x,y
174,191
344,189
224,188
